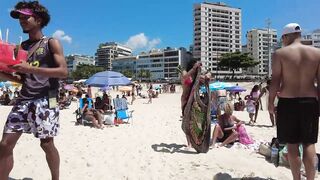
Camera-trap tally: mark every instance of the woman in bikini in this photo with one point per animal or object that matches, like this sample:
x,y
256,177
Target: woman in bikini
x,y
187,79
225,130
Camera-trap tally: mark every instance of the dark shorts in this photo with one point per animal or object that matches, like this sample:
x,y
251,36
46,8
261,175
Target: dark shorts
x,y
33,117
298,120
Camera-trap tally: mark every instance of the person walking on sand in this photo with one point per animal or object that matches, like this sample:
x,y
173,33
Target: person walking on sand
x,y
265,91
36,109
294,69
89,91
150,94
255,93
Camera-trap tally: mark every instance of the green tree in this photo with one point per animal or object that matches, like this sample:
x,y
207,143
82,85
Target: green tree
x,y
84,71
144,74
235,60
128,73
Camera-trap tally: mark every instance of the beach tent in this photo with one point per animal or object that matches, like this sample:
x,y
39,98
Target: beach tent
x,y
107,78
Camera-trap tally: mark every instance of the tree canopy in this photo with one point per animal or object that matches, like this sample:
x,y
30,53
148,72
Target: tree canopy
x,y
235,60
84,71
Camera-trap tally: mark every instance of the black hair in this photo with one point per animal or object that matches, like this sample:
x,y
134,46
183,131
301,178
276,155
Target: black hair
x,y
269,81
190,64
38,9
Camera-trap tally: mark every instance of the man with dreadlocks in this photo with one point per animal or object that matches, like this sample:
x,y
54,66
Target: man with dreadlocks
x,y
35,110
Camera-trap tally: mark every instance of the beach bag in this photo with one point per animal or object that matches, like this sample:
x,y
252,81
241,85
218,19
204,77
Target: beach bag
x,y
244,138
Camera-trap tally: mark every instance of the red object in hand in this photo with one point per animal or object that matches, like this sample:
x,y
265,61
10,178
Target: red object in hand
x,y
7,56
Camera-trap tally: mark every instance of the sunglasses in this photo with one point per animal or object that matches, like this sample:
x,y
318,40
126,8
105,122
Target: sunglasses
x,y
24,17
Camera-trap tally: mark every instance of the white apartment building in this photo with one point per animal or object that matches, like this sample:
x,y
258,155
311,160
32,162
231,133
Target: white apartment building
x,y
108,52
312,39
217,30
121,64
74,60
161,63
260,45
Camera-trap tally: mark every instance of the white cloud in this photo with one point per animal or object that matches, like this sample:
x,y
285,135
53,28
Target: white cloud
x,y
59,34
141,41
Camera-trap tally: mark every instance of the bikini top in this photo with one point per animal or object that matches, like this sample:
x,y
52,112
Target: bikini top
x,y
226,122
188,81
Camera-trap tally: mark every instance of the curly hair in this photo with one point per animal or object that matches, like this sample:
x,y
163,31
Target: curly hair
x,y
38,9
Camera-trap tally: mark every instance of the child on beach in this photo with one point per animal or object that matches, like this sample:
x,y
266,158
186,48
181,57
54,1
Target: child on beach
x,y
251,107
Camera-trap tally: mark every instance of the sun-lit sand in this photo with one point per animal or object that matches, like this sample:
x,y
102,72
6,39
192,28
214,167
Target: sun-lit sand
x,y
152,147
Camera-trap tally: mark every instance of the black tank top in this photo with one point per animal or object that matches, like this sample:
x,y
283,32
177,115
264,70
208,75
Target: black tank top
x,y
36,86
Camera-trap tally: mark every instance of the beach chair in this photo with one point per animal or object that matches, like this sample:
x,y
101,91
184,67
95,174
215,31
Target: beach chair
x,y
121,110
125,115
79,115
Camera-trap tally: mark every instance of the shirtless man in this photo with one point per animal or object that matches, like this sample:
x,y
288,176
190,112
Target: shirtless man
x,y
294,69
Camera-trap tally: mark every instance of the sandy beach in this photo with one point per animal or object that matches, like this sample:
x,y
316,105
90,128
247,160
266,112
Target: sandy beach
x,y
152,147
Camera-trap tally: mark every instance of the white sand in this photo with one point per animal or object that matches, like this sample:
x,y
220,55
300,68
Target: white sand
x,y
150,148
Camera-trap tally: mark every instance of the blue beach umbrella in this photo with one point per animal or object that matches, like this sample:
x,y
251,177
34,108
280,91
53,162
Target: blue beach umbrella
x,y
236,89
107,78
217,86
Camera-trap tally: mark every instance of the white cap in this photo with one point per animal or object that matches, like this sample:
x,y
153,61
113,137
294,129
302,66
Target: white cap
x,y
291,28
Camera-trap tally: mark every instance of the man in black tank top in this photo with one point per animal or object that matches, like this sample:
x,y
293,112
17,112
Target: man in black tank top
x,y
35,111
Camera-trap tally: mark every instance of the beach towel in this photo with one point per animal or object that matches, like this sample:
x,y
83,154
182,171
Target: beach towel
x,y
196,122
244,137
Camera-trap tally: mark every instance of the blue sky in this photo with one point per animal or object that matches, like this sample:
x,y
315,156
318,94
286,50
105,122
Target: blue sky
x,y
143,24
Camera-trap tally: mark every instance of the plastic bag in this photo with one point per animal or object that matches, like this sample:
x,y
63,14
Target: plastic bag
x,y
244,137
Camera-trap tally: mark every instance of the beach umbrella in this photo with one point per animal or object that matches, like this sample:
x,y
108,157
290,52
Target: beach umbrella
x,y
236,89
2,84
15,84
217,86
8,83
107,78
68,87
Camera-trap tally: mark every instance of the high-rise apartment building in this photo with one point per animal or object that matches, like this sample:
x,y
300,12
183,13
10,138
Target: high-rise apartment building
x,y
312,39
260,45
74,60
108,52
162,64
217,30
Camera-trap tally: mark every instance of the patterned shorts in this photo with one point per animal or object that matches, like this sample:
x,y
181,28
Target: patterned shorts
x,y
35,117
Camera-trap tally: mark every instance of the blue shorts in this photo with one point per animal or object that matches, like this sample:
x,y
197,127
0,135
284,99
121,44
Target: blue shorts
x,y
35,117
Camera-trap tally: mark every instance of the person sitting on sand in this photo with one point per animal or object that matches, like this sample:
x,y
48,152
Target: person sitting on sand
x,y
98,105
225,130
91,114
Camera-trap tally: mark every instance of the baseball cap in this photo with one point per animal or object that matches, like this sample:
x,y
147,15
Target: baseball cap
x,y
291,28
26,11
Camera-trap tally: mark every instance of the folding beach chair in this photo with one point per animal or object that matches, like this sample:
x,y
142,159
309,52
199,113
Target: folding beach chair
x,y
79,115
121,108
124,114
